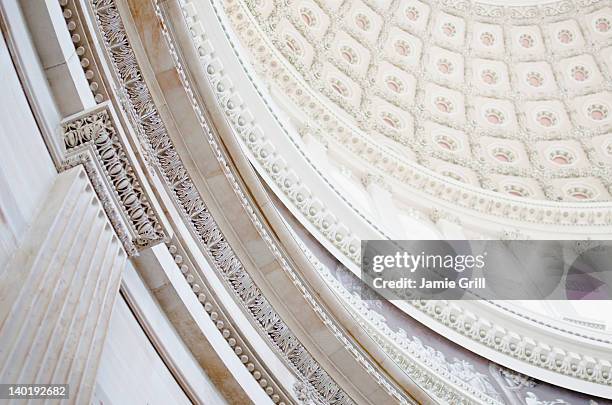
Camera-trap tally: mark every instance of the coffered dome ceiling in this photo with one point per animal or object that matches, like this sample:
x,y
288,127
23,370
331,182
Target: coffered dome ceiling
x,y
513,99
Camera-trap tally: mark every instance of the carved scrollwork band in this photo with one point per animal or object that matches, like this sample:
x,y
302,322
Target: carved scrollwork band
x,y
93,137
149,122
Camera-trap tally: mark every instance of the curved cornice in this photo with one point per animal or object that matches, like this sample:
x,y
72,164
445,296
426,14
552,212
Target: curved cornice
x,y
150,126
200,221
422,375
482,323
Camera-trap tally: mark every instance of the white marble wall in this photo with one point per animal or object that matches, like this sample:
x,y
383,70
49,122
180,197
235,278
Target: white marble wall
x,y
60,261
131,371
26,170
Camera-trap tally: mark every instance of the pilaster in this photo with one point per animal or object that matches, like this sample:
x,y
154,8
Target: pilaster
x,y
58,291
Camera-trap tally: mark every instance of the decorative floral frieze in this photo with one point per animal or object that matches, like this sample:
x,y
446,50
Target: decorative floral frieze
x,y
497,13
96,132
305,395
218,314
147,119
512,379
545,354
449,381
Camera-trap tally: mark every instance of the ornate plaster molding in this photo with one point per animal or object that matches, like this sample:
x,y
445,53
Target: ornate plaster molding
x,y
421,375
219,316
221,85
147,120
506,343
86,131
316,77
92,138
422,363
153,125
305,394
408,353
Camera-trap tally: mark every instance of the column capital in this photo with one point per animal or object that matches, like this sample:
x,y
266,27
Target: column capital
x,y
93,139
